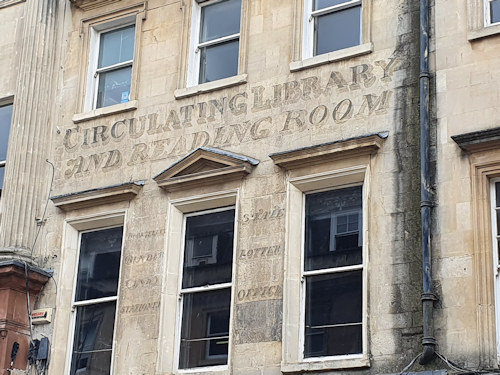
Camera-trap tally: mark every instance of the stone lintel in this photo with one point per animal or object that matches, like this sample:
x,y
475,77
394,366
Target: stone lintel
x,y
99,196
366,144
205,165
482,140
91,4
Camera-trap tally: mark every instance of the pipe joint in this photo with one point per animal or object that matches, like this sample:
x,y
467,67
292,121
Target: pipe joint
x,y
429,297
425,75
429,341
427,204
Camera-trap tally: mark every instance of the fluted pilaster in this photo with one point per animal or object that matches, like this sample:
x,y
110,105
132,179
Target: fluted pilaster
x,y
27,174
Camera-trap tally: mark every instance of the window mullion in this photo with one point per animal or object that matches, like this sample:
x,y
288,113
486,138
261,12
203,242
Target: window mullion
x,y
218,40
114,66
95,301
325,271
206,288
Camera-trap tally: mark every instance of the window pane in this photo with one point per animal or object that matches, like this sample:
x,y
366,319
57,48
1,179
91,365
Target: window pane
x,y
99,265
116,46
497,194
208,254
495,11
338,210
498,251
5,124
93,340
114,87
219,61
5,121
498,221
338,30
2,173
321,4
220,19
333,314
205,329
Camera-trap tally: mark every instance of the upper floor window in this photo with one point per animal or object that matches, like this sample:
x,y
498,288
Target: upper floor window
x,y
206,284
215,41
5,123
331,25
112,68
95,300
492,11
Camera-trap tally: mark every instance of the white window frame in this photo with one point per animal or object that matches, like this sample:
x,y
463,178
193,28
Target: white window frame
x,y
303,39
495,259
487,14
207,288
72,234
94,72
308,44
169,342
294,285
193,72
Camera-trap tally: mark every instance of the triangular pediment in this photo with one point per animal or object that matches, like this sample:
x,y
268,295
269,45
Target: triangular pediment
x,y
205,165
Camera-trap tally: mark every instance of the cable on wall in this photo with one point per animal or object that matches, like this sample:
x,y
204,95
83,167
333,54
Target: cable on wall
x,y
45,209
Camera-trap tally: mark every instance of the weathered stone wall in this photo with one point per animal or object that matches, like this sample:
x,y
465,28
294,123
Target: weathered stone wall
x,y
276,110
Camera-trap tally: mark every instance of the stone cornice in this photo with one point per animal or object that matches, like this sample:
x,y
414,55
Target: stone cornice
x,y
98,196
352,147
91,4
482,140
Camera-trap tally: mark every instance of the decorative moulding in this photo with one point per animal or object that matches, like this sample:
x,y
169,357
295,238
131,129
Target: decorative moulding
x,y
97,197
366,144
91,4
205,165
13,275
8,3
482,140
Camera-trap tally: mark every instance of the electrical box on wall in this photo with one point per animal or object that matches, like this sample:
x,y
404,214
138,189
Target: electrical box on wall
x,y
41,316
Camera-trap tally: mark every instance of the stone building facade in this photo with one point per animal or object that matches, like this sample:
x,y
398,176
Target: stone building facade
x,y
233,187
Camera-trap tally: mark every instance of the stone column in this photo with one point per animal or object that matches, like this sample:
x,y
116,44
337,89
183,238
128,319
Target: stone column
x,y
27,174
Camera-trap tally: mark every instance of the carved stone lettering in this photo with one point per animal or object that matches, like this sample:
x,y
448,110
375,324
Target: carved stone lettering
x,y
260,292
148,234
261,214
143,258
140,308
261,252
142,283
174,134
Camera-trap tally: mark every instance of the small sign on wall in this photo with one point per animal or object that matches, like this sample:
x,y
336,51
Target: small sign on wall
x,y
41,316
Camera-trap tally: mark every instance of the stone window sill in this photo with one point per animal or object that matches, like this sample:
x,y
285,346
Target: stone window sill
x,y
105,111
210,86
484,32
344,362
326,58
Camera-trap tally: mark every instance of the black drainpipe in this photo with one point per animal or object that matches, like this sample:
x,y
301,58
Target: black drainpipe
x,y
428,297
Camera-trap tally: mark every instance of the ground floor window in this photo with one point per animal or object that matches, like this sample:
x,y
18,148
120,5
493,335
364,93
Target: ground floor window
x,y
333,273
206,284
96,295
